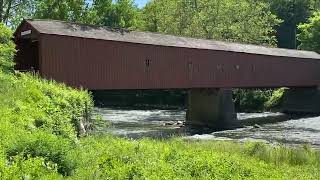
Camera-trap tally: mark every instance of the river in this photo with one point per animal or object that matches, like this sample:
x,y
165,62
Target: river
x,y
135,124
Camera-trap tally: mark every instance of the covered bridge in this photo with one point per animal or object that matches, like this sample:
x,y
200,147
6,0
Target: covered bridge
x,y
100,58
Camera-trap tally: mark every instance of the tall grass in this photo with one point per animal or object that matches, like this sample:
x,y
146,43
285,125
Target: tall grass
x,y
108,157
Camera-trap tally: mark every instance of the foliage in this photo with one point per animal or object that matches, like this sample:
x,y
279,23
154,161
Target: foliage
x,y
39,124
37,103
245,21
292,12
116,14
71,10
315,5
7,49
115,158
12,11
310,33
248,100
275,100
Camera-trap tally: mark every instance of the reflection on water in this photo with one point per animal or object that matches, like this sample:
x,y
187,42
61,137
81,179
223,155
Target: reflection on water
x,y
166,123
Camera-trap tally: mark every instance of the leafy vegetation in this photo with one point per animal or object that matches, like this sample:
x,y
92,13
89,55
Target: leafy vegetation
x,y
275,100
310,33
7,49
292,13
109,157
252,100
228,20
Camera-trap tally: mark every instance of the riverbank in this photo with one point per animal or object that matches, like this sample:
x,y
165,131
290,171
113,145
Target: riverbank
x,y
103,157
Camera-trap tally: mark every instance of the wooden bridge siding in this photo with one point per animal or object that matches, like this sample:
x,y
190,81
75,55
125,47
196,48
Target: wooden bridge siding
x,y
99,64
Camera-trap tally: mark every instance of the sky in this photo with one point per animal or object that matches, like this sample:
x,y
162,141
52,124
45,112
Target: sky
x,y
141,3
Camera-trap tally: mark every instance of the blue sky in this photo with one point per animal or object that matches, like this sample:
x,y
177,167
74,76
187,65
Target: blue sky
x,y
141,3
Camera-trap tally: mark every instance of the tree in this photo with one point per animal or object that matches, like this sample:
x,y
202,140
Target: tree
x,y
12,11
117,14
292,12
71,10
310,33
315,5
7,49
245,21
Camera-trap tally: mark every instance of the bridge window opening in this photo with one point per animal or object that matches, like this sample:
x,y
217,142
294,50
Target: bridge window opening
x,y
253,68
190,70
148,61
237,67
190,66
220,67
27,58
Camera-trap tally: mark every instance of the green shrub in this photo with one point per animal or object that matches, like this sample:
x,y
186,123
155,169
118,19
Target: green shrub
x,y
107,157
37,103
7,49
275,99
248,100
39,125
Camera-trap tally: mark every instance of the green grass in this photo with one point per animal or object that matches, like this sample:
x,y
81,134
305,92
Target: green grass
x,y
108,157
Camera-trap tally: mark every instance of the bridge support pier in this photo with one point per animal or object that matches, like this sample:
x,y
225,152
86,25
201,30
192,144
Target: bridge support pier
x,y
211,108
301,100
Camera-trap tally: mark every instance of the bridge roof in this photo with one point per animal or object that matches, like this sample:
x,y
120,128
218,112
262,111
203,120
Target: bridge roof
x,y
54,27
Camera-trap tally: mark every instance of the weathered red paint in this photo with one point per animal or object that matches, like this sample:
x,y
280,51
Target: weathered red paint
x,y
103,64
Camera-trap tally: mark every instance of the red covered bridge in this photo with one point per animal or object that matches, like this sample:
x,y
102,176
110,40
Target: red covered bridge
x,y
100,58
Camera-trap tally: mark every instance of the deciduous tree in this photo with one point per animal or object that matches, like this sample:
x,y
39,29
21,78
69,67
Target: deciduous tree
x,y
310,33
7,49
292,12
12,11
71,10
117,14
247,21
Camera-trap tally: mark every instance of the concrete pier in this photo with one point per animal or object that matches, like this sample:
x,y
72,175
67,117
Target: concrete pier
x,y
211,108
301,100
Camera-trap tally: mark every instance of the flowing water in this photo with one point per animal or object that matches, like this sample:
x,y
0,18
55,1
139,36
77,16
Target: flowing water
x,y
167,123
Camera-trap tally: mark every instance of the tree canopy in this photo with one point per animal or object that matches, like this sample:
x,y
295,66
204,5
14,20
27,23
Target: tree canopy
x,y
71,10
118,14
310,33
245,21
7,49
12,11
292,13
263,22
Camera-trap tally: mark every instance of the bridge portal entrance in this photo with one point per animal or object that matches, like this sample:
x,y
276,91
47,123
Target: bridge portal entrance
x,y
27,55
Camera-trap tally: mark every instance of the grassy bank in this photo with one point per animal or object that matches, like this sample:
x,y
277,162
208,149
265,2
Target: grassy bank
x,y
115,158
